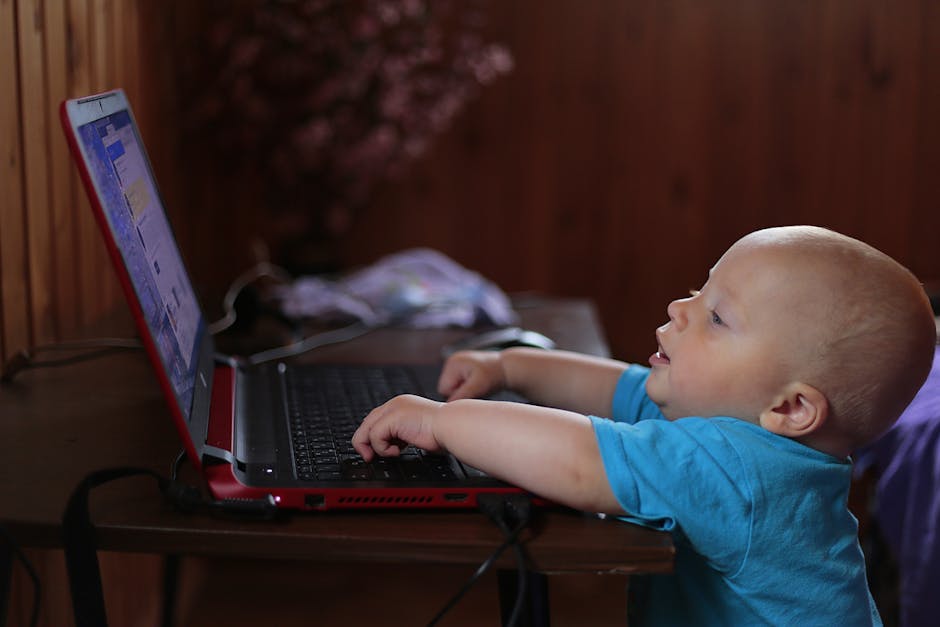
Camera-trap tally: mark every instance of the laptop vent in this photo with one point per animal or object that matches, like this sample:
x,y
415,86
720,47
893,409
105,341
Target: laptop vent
x,y
387,500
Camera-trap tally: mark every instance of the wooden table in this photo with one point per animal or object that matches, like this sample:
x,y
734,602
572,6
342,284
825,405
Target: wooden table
x,y
59,424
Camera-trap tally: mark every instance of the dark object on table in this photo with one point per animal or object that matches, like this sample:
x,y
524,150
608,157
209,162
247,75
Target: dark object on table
x,y
499,339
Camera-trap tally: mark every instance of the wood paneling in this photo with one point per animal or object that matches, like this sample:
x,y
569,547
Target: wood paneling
x,y
35,137
56,277
54,274
14,304
132,590
47,62
61,175
635,141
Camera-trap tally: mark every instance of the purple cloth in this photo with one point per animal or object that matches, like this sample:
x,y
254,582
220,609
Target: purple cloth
x,y
907,459
421,288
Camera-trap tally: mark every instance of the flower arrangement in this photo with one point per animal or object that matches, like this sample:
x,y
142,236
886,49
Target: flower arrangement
x,y
325,98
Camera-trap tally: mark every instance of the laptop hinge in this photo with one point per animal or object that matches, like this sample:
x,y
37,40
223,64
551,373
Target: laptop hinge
x,y
218,445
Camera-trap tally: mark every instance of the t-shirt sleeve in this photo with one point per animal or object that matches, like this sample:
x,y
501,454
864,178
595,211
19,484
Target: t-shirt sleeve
x,y
684,477
631,404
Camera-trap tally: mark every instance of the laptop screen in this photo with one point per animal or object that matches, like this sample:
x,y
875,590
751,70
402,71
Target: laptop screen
x,y
143,236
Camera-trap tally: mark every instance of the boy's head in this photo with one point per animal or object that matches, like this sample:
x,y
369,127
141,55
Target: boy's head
x,y
812,334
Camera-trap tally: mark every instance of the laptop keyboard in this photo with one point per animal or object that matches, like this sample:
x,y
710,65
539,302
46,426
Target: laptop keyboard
x,y
326,406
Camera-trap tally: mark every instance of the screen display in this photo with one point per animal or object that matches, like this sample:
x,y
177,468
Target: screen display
x,y
145,240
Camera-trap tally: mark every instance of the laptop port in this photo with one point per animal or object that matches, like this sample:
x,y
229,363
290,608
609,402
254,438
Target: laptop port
x,y
455,497
314,501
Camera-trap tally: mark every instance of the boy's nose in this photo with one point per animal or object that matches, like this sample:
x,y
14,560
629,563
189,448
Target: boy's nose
x,y
676,311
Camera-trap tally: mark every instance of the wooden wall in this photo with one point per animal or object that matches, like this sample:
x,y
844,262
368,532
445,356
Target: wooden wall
x,y
54,276
635,141
52,265
632,144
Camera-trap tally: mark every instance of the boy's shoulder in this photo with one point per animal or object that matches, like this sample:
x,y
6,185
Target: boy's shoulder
x,y
760,449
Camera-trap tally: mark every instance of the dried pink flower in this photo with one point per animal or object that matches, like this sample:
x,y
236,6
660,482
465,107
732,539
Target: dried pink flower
x,y
325,98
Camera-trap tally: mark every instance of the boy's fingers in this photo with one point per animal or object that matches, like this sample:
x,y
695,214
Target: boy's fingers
x,y
478,385
461,381
452,377
467,390
376,434
362,438
385,448
360,442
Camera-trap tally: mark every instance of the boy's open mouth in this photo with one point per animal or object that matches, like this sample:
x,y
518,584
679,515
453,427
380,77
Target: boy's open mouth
x,y
659,358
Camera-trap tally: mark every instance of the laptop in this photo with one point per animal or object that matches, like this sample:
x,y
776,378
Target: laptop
x,y
253,432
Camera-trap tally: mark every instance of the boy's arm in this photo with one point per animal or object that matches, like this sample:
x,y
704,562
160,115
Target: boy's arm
x,y
550,452
580,383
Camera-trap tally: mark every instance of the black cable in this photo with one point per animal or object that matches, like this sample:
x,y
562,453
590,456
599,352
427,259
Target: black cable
x,y
94,348
258,271
516,508
190,499
481,570
79,536
37,587
81,551
498,508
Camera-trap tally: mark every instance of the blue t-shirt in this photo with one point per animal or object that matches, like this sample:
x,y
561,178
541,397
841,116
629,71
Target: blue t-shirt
x,y
762,530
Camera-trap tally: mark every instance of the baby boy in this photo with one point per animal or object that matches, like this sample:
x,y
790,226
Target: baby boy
x,y
802,345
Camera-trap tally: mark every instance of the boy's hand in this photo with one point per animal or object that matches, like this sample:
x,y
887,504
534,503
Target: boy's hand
x,y
401,421
471,374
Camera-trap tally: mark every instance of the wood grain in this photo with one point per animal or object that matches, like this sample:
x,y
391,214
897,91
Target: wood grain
x,y
15,333
35,136
631,145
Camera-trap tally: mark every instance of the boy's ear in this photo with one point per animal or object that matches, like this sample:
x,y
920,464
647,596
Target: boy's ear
x,y
799,411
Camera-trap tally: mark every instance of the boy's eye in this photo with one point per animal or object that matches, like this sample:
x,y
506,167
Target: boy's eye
x,y
716,319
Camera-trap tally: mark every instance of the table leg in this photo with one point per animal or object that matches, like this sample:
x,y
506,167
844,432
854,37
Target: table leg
x,y
171,570
6,579
535,603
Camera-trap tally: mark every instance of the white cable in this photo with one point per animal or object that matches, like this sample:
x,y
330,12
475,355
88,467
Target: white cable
x,y
334,336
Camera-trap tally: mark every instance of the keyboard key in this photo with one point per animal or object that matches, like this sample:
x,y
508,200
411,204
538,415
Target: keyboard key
x,y
386,470
356,470
326,406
